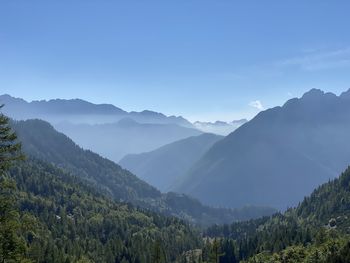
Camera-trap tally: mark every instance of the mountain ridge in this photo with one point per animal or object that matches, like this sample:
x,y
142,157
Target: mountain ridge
x,y
81,107
306,141
103,128
41,141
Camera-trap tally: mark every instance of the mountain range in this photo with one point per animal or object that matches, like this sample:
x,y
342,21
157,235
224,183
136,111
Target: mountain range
x,y
103,128
274,160
80,111
66,214
76,206
278,157
41,141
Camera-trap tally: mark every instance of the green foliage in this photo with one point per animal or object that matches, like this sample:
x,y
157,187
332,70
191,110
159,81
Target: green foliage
x,y
12,245
332,250
42,141
215,254
74,222
158,254
10,149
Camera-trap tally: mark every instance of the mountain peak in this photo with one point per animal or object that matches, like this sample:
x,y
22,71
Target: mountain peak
x,y
313,93
8,98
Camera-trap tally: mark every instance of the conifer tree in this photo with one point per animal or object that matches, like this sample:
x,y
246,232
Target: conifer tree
x,y
12,245
216,253
10,149
158,253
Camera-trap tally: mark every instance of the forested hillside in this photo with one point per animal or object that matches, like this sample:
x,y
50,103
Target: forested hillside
x,y
42,141
49,215
65,220
39,139
316,231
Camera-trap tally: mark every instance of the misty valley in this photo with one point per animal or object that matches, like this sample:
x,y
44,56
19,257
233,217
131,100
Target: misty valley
x,y
191,131
276,188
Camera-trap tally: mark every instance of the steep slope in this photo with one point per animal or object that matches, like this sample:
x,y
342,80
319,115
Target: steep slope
x,y
42,141
162,167
278,157
65,220
317,230
115,140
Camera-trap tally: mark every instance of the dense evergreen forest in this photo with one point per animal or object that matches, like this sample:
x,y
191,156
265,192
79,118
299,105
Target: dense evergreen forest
x,y
68,220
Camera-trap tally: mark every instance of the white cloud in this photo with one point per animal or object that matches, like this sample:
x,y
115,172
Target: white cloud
x,y
256,104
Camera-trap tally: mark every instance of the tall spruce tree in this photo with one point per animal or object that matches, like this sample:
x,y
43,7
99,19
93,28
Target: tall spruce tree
x,y
12,245
216,251
10,149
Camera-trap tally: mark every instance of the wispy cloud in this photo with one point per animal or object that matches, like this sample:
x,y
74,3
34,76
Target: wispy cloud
x,y
319,60
256,104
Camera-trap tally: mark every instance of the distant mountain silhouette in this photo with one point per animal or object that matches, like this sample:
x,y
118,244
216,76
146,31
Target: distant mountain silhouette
x,y
103,128
115,140
164,166
219,127
278,157
80,111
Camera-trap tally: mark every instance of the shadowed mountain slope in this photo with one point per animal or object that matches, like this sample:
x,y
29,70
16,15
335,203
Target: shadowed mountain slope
x,y
164,166
42,141
278,157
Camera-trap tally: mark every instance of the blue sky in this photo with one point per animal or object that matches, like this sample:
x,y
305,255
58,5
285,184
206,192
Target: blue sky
x,y
205,60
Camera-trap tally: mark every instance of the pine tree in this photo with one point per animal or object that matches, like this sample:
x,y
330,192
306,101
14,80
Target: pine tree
x,y
12,245
158,253
216,253
10,149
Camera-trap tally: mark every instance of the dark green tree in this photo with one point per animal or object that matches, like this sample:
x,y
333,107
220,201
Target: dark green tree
x,y
10,149
12,245
216,251
158,253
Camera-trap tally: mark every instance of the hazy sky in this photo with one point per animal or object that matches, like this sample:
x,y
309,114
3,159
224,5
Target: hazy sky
x,y
204,60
